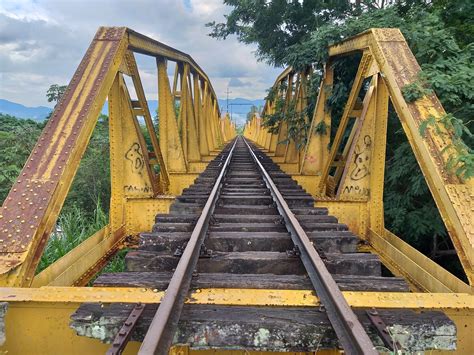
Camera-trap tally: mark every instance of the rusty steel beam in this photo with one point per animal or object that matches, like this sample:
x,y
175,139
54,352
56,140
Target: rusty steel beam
x,y
452,194
389,63
31,209
142,44
55,296
36,198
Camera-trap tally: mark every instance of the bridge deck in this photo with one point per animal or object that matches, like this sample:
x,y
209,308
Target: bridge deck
x,y
249,248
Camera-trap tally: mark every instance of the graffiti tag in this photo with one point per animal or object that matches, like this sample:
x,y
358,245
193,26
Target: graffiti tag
x,y
362,160
135,156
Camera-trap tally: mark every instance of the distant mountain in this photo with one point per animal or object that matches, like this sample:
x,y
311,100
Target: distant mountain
x,y
38,113
238,107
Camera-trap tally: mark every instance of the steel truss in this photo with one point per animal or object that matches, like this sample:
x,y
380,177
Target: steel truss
x,y
39,306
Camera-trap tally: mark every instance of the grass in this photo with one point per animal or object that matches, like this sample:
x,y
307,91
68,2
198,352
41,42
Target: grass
x,y
73,227
117,263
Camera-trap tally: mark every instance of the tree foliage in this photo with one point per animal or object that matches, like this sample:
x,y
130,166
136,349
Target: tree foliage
x,y
276,25
55,92
91,185
17,139
253,110
86,207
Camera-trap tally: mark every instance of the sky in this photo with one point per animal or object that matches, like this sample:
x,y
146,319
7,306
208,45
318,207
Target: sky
x,y
43,41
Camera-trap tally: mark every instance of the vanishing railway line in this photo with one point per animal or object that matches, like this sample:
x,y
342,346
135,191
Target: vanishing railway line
x,y
244,224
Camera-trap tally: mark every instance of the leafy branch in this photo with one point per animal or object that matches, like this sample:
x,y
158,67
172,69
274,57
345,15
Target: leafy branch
x,y
321,128
283,111
461,160
416,90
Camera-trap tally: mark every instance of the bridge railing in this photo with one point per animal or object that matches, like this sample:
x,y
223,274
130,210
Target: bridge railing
x,y
190,131
346,172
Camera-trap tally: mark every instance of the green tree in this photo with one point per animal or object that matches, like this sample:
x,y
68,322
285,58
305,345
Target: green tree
x,y
457,15
253,110
86,207
91,185
276,25
17,139
55,92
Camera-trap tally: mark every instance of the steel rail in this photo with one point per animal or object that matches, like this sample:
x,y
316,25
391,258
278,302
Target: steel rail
x,y
160,334
349,330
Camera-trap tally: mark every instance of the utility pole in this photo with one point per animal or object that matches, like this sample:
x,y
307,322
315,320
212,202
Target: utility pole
x,y
228,92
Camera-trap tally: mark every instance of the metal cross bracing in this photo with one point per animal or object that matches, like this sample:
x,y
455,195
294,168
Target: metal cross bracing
x,y
186,144
348,178
189,136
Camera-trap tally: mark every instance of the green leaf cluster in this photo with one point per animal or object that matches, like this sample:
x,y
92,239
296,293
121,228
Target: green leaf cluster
x,y
55,92
461,157
297,120
415,91
17,139
91,185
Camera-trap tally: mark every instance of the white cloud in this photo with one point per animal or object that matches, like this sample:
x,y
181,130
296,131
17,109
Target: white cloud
x,y
24,10
46,39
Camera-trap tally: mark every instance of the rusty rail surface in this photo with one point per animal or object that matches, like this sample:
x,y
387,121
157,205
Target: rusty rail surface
x,y
160,334
349,330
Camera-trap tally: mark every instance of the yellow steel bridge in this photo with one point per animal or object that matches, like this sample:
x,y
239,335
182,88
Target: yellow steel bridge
x,y
145,178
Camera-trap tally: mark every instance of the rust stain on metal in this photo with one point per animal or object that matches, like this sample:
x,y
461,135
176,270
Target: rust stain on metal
x,y
33,205
28,204
404,65
397,67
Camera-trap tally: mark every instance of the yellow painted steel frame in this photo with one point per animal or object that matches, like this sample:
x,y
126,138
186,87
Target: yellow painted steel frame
x,y
349,179
39,317
51,334
138,192
290,87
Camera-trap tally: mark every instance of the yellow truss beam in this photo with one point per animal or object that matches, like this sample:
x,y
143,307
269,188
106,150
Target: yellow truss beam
x,y
42,315
453,196
31,209
33,204
357,174
238,297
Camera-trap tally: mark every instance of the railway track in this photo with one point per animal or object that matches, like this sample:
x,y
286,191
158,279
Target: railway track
x,y
245,224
